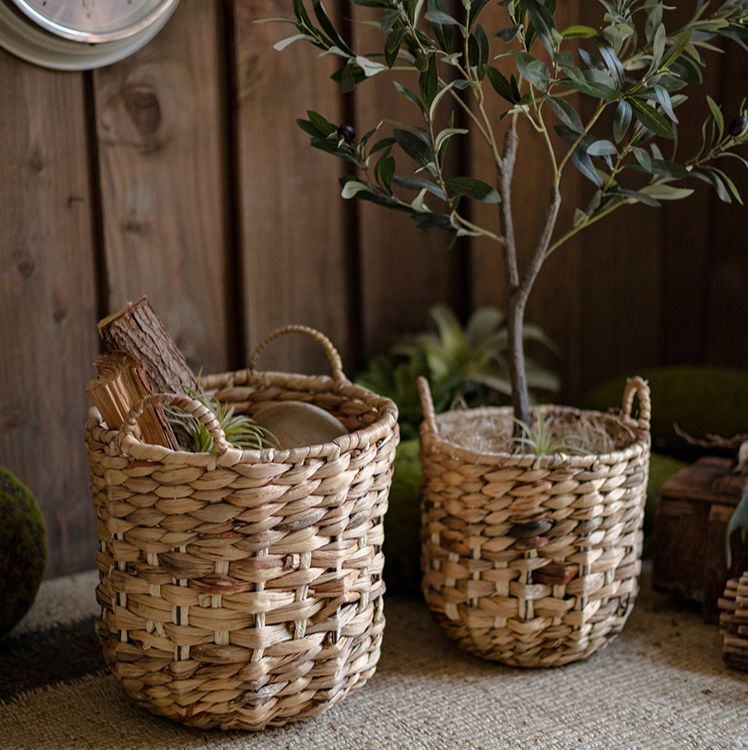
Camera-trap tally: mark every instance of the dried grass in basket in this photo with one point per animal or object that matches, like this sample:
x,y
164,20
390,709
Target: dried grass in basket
x,y
244,590
529,560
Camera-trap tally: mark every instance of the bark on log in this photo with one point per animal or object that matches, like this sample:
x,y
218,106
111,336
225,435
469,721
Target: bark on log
x,y
136,329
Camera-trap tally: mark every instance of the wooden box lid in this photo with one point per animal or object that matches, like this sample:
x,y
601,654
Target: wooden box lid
x,y
710,480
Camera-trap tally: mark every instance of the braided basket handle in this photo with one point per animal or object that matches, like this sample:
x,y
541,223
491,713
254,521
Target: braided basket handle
x,y
327,345
427,404
637,387
182,402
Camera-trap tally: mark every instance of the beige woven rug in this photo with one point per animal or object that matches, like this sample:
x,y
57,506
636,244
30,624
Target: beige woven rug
x,y
661,685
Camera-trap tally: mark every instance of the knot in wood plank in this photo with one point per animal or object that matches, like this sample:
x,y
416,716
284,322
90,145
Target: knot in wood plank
x,y
142,105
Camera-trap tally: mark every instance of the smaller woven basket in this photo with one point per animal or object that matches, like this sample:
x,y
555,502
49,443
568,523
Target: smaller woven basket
x,y
529,560
244,590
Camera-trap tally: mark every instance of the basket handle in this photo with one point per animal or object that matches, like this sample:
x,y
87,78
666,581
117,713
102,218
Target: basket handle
x,y
427,404
327,345
182,402
637,387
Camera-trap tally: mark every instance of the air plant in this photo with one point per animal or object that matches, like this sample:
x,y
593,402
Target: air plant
x,y
543,440
240,430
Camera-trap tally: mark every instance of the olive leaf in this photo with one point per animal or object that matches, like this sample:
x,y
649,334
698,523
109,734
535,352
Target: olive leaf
x,y
542,22
414,147
565,112
738,522
534,71
444,32
578,32
470,187
651,118
501,85
622,120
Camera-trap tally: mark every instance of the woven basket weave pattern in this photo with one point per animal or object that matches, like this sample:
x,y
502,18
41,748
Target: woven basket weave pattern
x,y
244,590
532,561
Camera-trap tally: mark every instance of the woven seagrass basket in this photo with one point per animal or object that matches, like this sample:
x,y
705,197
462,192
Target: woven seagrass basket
x,y
529,560
244,590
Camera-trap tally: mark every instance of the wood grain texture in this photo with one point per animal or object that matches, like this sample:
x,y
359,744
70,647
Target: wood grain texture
x,y
137,330
404,270
160,128
47,301
686,229
554,303
620,283
122,382
727,241
620,292
690,526
293,242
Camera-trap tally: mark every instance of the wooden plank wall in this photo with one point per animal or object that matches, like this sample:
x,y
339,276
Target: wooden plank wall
x,y
179,173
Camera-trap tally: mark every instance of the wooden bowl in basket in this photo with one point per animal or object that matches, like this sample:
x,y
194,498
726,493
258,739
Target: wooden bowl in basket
x,y
244,590
530,560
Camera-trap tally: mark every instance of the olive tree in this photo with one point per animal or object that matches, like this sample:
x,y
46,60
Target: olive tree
x,y
627,61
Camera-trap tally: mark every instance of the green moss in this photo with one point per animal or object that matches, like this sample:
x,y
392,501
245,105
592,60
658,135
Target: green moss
x,y
661,468
23,550
701,400
402,524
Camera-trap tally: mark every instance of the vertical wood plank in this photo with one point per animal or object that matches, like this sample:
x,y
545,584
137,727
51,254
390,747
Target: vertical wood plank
x,y
621,295
554,302
404,270
668,257
619,286
47,301
726,336
160,129
293,225
686,242
686,237
620,281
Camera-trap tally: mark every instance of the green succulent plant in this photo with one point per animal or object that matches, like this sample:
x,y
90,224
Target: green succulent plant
x,y
467,363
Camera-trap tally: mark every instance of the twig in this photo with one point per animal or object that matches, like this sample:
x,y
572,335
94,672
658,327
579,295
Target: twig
x,y
712,441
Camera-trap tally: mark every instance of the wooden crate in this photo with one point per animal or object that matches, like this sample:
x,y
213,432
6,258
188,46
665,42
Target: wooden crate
x,y
695,508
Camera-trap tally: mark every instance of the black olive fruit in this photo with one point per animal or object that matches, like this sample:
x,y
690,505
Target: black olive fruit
x,y
347,133
738,126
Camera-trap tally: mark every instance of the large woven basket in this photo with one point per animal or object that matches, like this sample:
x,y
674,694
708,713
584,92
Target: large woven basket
x,y
244,590
528,560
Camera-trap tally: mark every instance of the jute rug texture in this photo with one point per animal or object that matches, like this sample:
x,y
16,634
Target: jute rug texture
x,y
661,685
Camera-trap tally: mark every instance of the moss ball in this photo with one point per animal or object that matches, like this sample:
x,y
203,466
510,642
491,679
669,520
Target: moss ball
x,y
23,550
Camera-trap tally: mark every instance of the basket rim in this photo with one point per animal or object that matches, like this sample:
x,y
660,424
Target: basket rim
x,y
384,427
433,444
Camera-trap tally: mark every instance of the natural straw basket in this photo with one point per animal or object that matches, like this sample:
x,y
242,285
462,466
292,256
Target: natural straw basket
x,y
244,590
533,560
